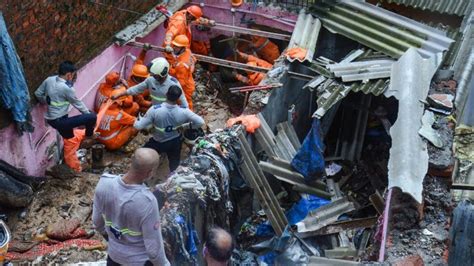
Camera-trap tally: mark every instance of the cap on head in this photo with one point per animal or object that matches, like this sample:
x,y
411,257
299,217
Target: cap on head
x,y
195,11
160,67
181,41
140,70
112,78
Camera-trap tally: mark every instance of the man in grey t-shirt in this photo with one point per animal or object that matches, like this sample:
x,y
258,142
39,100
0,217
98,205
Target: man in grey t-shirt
x,y
126,213
167,120
58,93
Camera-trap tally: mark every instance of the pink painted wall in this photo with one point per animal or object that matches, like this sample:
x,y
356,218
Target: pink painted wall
x,y
30,155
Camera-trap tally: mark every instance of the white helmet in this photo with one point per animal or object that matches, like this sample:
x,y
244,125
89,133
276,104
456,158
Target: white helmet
x,y
160,67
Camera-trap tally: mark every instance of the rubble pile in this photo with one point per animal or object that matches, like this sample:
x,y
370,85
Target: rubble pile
x,y
198,194
429,237
208,102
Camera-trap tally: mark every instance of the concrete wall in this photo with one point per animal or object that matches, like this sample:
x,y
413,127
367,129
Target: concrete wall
x,y
47,32
30,152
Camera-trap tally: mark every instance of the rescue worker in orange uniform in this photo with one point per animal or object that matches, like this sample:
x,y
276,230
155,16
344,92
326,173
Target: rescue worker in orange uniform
x,y
182,66
113,82
180,24
265,49
138,74
116,127
252,78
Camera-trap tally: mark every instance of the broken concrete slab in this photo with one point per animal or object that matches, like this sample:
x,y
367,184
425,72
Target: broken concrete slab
x,y
427,130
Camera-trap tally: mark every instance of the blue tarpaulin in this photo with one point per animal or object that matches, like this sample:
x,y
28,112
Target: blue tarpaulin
x,y
14,94
309,160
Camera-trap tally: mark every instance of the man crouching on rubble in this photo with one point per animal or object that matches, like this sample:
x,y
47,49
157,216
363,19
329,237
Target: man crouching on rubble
x,y
126,213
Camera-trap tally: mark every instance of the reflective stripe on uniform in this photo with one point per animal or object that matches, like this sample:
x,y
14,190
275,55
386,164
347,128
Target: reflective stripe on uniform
x,y
59,104
160,129
263,45
110,136
124,231
156,98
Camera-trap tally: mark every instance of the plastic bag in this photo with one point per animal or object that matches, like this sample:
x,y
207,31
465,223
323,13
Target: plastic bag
x,y
306,204
309,160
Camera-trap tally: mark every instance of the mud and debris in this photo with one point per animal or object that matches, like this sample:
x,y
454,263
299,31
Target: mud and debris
x,y
427,238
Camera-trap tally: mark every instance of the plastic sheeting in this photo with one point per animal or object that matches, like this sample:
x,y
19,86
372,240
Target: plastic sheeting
x,y
309,160
14,94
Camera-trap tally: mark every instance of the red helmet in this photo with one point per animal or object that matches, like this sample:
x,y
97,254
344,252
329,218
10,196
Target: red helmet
x,y
112,78
195,11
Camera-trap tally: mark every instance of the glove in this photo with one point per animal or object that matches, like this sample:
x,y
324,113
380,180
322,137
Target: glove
x,y
146,46
212,22
168,49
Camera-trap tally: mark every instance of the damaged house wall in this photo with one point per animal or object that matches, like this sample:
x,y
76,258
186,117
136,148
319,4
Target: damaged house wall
x,y
46,33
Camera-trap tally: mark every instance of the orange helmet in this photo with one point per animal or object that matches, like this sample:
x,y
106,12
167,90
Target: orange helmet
x,y
236,3
140,70
181,41
112,78
195,11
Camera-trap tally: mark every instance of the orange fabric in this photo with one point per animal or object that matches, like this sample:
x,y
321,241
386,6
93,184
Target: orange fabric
x,y
265,48
105,91
201,47
253,59
182,68
251,122
115,128
71,146
296,53
255,78
177,25
47,248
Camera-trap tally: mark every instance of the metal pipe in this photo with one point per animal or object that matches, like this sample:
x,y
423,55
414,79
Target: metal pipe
x,y
210,59
236,29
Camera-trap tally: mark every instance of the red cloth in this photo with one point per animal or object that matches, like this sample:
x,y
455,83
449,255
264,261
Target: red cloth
x,y
45,248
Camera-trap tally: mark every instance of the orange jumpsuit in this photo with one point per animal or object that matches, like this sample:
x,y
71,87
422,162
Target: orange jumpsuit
x,y
182,68
140,99
177,25
265,48
105,91
253,78
116,128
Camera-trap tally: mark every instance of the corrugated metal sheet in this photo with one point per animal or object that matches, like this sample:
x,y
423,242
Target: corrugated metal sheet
x,y
456,7
305,34
332,91
408,162
363,71
380,29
